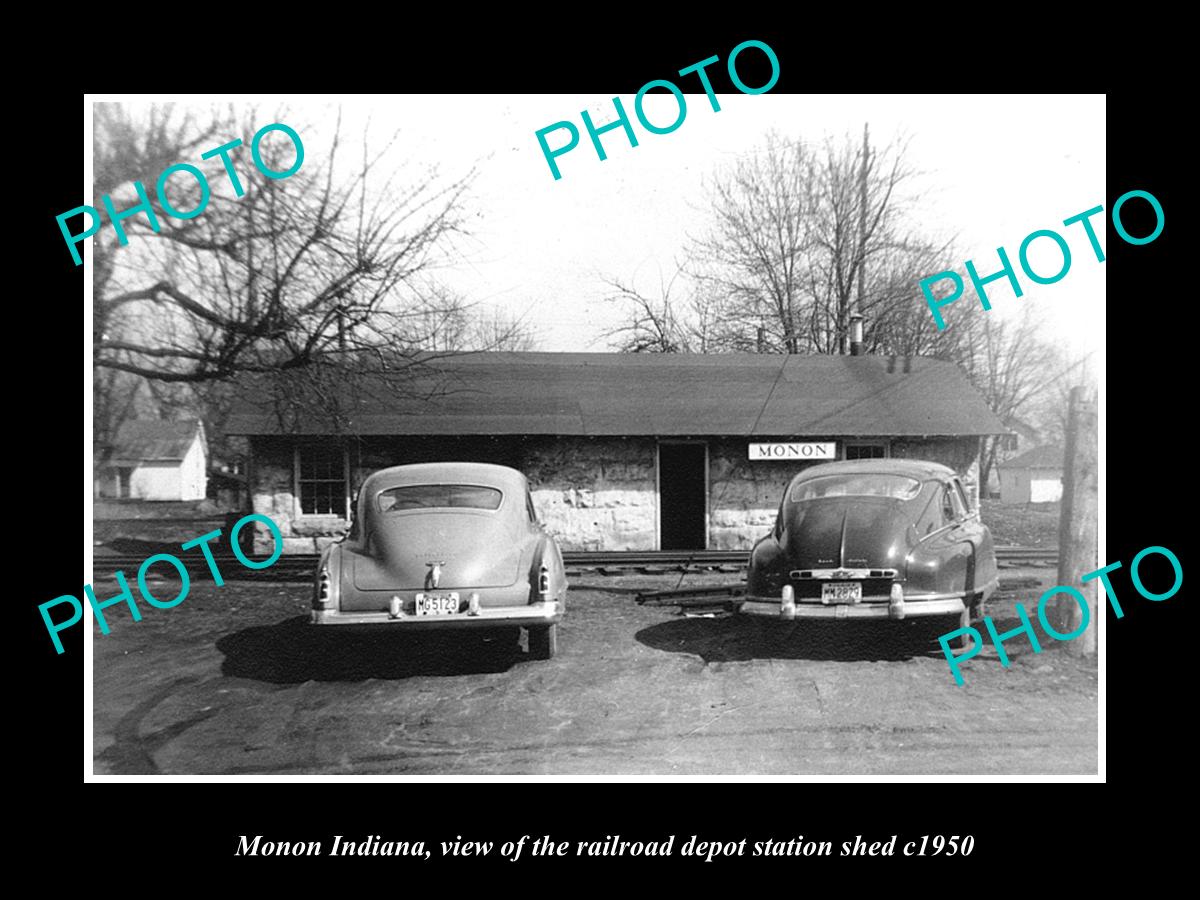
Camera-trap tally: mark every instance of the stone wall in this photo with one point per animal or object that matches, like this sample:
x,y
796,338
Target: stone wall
x,y
272,494
743,496
591,493
595,494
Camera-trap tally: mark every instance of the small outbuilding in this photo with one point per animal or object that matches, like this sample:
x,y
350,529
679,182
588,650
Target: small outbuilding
x,y
1033,477
622,451
152,460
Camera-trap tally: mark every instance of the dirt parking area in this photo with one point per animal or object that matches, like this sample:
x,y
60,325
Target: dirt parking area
x,y
233,681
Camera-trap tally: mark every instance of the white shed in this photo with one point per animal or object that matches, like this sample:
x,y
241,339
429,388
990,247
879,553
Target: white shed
x,y
1033,477
152,460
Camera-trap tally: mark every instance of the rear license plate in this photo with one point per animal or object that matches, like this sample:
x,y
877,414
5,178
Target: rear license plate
x,y
841,592
437,604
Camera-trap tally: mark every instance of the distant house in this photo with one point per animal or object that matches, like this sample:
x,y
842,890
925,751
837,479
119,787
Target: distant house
x,y
1033,477
151,460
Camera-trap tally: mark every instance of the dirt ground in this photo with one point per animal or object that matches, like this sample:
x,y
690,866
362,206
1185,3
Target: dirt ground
x,y
233,681
1021,524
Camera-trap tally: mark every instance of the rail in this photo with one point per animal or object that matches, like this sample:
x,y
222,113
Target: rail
x,y
300,566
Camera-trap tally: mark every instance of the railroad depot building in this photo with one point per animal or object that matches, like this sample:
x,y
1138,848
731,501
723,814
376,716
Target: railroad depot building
x,y
623,451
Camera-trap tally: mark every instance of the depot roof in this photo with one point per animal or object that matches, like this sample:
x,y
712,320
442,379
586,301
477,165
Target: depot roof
x,y
658,394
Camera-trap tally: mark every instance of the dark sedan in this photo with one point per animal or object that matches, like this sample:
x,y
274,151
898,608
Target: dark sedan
x,y
882,539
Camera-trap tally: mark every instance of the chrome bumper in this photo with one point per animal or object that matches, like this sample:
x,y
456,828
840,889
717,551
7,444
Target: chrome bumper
x,y
548,613
908,608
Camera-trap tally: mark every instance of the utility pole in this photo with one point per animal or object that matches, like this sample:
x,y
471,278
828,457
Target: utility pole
x,y
862,235
1077,549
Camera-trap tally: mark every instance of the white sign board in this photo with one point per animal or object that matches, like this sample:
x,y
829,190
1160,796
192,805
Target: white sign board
x,y
827,450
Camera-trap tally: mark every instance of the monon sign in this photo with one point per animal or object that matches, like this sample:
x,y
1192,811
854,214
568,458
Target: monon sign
x,y
826,450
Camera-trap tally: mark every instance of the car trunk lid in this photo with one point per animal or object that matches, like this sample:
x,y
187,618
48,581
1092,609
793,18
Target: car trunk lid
x,y
469,550
853,533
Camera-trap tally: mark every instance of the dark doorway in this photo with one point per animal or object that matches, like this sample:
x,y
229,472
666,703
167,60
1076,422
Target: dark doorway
x,y
683,496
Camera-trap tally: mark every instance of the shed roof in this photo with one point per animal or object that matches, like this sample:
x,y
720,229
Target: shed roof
x,y
736,394
1048,457
150,440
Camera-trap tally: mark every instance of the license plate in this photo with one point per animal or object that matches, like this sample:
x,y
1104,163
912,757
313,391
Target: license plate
x,y
437,604
841,592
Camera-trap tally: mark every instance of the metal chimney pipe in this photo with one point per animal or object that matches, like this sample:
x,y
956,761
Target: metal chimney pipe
x,y
856,335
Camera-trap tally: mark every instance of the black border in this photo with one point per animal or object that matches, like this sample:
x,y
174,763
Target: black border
x,y
1011,823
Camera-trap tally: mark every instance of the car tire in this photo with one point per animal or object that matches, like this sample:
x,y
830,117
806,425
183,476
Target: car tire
x,y
964,642
543,641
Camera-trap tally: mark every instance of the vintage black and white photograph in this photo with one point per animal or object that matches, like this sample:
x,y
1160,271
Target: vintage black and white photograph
x,y
688,433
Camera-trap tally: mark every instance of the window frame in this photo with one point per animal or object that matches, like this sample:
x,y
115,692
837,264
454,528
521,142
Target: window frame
x,y
886,445
964,497
297,480
956,502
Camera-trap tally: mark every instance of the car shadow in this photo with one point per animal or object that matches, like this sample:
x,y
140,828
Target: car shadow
x,y
730,638
292,651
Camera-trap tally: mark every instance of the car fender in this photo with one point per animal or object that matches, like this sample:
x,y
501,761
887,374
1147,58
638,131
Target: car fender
x,y
940,563
987,573
767,571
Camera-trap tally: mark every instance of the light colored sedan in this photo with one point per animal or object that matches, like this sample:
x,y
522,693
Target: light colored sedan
x,y
445,545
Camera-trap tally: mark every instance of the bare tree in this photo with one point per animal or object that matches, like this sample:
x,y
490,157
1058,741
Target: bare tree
x,y
324,268
295,270
662,324
755,261
114,401
499,330
1008,361
449,323
1051,410
795,231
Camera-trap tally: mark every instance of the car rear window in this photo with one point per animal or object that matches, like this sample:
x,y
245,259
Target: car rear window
x,y
898,487
439,496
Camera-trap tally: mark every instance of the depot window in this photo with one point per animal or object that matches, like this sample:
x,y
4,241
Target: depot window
x,y
866,450
321,481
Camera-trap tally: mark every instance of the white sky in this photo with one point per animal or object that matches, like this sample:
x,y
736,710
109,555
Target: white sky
x,y
996,168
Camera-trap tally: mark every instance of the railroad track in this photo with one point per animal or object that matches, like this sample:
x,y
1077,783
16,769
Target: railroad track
x,y
606,562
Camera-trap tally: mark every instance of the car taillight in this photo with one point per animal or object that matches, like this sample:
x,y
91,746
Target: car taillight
x,y
544,583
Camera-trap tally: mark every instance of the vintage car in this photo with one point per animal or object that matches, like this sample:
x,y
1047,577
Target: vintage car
x,y
445,545
880,538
